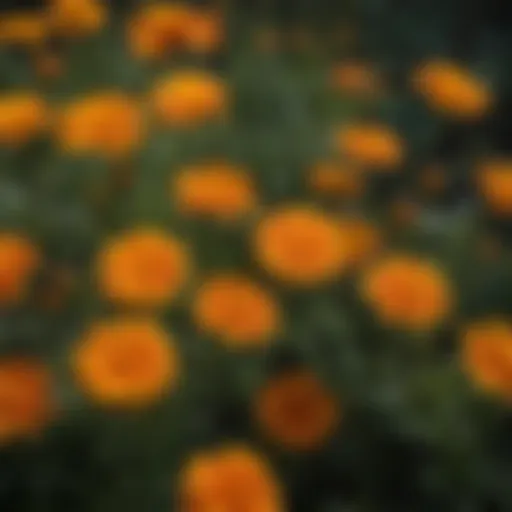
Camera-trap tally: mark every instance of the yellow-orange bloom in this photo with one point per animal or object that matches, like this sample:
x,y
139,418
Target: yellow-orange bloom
x,y
239,311
157,29
495,183
143,268
72,18
371,145
189,97
407,291
300,245
487,356
453,90
108,124
205,30
331,179
23,29
229,478
295,410
26,398
126,362
217,190
361,239
19,259
23,115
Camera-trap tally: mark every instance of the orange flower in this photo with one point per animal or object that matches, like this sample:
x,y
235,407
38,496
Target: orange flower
x,y
205,31
218,190
230,478
332,179
300,245
371,145
452,90
23,115
126,362
361,239
296,410
144,267
157,29
237,310
495,183
23,29
487,356
19,260
26,403
72,18
355,78
108,123
189,97
406,291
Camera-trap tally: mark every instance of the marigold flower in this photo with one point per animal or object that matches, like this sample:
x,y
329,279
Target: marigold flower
x,y
26,401
106,123
19,259
205,31
157,29
126,362
300,245
487,356
217,190
73,18
295,410
371,145
495,183
453,90
331,179
23,115
239,311
407,291
23,29
189,97
229,478
143,268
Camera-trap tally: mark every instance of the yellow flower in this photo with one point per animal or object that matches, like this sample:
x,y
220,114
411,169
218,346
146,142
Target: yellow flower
x,y
26,401
237,310
300,245
295,410
189,97
407,291
230,478
19,260
371,145
126,362
108,124
328,178
495,183
143,268
73,18
487,356
217,190
452,90
23,115
23,29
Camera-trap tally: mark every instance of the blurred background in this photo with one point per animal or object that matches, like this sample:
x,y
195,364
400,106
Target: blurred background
x,y
255,256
